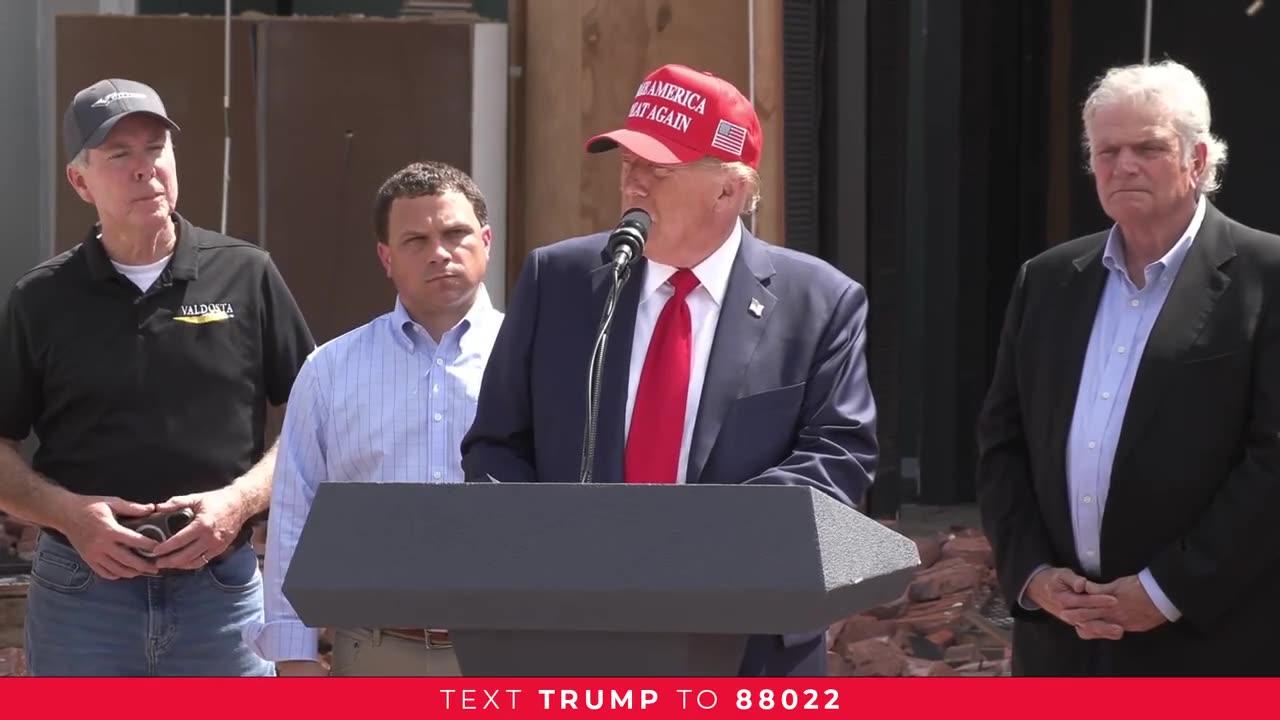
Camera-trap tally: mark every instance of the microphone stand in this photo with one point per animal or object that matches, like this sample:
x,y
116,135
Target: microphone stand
x,y
595,374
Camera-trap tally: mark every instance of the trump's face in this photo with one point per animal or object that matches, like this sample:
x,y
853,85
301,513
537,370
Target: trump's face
x,y
1140,166
683,201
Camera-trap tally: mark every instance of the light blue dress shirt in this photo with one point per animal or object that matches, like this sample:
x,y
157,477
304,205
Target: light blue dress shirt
x,y
382,403
1123,322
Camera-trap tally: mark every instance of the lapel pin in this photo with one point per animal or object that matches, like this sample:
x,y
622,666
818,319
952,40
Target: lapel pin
x,y
756,308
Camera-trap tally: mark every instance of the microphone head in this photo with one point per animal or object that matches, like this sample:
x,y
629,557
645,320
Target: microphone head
x,y
638,219
631,233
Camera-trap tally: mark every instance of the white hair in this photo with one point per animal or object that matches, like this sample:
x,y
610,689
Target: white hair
x,y
740,171
1173,88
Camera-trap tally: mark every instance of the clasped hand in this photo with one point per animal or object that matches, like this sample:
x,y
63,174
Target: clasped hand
x,y
1097,611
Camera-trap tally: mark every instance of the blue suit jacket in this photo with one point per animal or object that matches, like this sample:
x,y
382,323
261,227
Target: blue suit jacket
x,y
785,397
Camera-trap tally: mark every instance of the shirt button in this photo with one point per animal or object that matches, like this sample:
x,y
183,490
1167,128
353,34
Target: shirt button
x,y
435,388
1134,303
1089,553
1087,499
1120,349
437,475
1106,396
440,361
437,417
1092,444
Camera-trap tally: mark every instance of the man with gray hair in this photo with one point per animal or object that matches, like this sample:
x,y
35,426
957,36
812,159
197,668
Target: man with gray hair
x,y
143,359
1129,470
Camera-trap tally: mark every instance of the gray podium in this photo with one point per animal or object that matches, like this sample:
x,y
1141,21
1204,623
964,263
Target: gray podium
x,y
591,580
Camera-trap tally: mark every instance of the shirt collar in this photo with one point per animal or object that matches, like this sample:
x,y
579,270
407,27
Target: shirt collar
x,y
712,273
406,329
1113,256
184,264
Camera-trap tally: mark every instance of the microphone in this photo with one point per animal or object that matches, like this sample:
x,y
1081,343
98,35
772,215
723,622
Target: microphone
x,y
623,250
626,242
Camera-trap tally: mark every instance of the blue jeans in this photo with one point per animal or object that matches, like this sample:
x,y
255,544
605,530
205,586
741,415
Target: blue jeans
x,y
185,625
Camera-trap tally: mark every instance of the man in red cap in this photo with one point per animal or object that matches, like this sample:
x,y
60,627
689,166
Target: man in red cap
x,y
732,361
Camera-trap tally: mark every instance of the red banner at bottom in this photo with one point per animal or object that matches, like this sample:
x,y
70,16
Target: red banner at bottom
x,y
361,698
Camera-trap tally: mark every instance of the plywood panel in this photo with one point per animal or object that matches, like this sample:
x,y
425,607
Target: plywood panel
x,y
584,60
770,222
190,81
348,104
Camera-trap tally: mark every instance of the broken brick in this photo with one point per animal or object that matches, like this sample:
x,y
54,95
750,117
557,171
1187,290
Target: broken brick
x,y
942,639
887,611
877,657
946,577
973,550
862,627
837,666
930,549
12,662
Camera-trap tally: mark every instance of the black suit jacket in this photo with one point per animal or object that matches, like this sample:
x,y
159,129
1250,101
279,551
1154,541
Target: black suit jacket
x,y
1195,487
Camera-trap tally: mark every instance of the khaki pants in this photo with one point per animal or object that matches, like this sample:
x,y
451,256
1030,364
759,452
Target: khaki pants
x,y
370,653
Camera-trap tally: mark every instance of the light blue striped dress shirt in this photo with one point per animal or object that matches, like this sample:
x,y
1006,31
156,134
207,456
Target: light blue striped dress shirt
x,y
1121,327
382,403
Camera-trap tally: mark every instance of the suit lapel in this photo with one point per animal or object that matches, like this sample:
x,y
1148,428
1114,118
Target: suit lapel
x,y
738,331
1081,292
1199,284
611,422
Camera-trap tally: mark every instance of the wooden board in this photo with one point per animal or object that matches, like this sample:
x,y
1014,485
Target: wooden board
x,y
584,59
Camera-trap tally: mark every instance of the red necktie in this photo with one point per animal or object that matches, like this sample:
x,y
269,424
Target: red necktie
x,y
657,419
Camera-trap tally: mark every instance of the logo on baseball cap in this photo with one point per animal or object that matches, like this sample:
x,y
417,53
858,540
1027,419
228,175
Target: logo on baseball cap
x,y
680,115
97,108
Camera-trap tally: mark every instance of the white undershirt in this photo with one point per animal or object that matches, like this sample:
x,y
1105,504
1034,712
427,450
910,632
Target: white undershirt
x,y
144,276
704,310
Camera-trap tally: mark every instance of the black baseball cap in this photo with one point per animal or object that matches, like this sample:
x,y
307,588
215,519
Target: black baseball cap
x,y
97,108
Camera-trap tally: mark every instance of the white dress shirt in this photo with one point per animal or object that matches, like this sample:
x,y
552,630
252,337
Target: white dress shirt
x,y
704,310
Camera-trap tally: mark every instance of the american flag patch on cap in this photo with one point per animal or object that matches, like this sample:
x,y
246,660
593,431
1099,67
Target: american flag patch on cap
x,y
729,137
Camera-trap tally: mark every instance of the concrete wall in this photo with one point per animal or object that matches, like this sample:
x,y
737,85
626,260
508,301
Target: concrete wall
x,y
29,127
29,130
19,176
489,77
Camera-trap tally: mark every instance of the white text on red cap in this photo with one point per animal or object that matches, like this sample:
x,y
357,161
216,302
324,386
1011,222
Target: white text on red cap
x,y
670,92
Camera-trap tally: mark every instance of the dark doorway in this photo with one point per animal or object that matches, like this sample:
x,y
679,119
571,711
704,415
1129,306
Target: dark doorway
x,y
958,136
1233,53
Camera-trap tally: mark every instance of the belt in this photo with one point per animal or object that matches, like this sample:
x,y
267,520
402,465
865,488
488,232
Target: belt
x,y
245,534
433,638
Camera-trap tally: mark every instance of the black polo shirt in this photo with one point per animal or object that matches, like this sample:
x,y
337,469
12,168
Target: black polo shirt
x,y
149,395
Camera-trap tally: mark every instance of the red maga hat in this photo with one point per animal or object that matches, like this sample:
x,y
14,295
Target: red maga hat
x,y
680,115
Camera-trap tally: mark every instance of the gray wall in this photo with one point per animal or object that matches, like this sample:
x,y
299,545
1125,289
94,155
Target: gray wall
x,y
20,243
29,127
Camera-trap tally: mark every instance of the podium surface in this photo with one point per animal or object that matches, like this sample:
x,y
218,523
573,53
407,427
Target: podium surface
x,y
571,579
